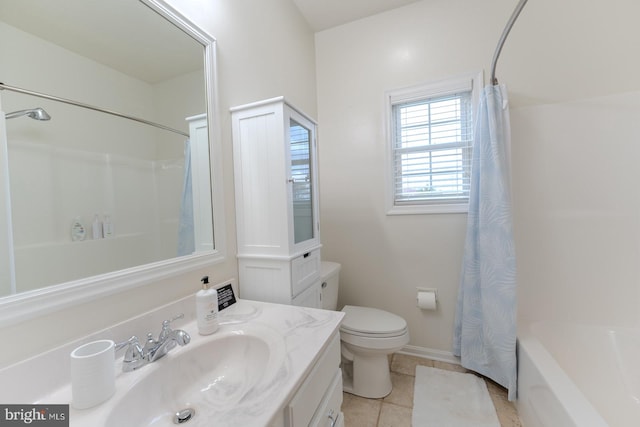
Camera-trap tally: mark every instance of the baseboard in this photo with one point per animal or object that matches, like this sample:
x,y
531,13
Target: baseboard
x,y
430,353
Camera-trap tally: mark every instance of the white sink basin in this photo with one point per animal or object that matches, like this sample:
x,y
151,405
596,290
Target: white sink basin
x,y
210,378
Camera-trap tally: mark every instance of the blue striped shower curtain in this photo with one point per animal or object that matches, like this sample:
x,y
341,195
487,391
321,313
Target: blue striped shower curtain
x,y
485,322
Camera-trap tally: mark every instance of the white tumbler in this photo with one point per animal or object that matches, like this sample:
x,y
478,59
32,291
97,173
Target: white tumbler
x,y
92,374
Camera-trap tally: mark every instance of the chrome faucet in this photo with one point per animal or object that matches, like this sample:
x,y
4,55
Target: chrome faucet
x,y
136,356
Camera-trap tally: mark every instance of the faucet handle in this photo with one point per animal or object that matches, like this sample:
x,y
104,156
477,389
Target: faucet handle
x,y
165,323
134,354
165,327
131,341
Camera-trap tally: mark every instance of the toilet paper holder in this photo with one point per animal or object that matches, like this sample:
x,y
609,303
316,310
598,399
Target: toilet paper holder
x,y
427,298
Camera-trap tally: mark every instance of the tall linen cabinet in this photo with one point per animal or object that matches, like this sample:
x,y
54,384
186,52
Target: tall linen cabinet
x,y
278,231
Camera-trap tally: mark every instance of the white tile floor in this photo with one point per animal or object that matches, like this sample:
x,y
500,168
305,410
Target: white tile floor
x,y
395,410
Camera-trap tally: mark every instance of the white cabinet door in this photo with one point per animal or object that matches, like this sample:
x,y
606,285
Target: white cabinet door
x,y
275,168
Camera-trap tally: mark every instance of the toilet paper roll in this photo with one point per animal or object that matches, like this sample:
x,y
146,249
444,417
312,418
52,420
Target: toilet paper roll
x,y
92,373
427,300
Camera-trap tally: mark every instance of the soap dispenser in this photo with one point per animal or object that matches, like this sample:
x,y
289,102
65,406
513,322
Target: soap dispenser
x,y
207,308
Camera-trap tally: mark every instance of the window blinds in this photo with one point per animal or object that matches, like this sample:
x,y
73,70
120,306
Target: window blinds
x,y
432,140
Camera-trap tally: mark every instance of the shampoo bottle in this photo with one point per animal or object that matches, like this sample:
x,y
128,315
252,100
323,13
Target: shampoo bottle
x,y
107,226
207,308
97,227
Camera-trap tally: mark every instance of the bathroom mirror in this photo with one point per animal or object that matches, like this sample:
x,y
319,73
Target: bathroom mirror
x,y
94,200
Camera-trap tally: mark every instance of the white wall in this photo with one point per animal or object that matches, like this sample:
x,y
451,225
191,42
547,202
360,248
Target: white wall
x,y
557,52
265,49
577,210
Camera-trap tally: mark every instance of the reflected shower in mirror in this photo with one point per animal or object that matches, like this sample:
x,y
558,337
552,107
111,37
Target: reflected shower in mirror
x,y
34,113
91,192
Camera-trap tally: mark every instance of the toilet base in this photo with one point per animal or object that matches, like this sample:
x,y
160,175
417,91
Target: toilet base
x,y
367,376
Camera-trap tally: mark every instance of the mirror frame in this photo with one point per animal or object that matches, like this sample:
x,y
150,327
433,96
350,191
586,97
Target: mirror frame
x,y
31,304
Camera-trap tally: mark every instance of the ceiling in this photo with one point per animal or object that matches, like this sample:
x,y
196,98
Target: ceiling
x,y
143,45
323,14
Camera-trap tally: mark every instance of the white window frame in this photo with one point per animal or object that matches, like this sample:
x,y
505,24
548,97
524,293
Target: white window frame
x,y
466,82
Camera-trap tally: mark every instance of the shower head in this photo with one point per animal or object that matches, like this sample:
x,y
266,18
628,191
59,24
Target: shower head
x,y
35,113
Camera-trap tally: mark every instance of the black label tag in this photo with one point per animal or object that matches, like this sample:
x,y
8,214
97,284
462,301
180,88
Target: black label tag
x,y
225,297
34,415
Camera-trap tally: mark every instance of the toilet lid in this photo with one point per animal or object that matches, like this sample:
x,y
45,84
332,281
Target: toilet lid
x,y
366,320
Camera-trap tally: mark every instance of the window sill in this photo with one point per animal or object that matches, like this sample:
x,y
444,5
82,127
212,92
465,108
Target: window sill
x,y
426,209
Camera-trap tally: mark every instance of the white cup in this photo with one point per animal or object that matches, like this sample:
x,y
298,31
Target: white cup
x,y
93,377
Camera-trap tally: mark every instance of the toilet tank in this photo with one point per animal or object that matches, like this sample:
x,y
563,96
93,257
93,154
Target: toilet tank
x,y
329,273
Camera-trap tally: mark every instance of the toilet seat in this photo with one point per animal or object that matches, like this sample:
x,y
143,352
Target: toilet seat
x,y
373,343
372,323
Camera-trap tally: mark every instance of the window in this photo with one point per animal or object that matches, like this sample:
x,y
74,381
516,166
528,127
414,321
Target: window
x,y
430,136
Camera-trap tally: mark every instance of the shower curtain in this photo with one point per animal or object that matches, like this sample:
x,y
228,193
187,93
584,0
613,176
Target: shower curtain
x,y
186,238
485,322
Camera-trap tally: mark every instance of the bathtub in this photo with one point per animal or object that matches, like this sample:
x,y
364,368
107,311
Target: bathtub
x,y
575,375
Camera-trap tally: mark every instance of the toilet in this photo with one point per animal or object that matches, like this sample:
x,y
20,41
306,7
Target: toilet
x,y
367,337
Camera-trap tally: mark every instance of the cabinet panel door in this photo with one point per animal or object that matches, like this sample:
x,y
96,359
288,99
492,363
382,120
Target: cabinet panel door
x,y
301,151
311,393
328,413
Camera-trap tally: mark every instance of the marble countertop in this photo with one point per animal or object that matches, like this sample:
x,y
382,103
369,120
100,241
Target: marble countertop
x,y
301,333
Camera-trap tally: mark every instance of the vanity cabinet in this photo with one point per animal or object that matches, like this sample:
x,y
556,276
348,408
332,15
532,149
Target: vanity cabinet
x,y
317,402
275,166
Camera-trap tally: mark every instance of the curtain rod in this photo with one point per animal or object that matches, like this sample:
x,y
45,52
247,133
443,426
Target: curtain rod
x,y
503,38
89,107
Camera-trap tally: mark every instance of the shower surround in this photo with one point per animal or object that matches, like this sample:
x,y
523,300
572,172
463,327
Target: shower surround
x,y
52,186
